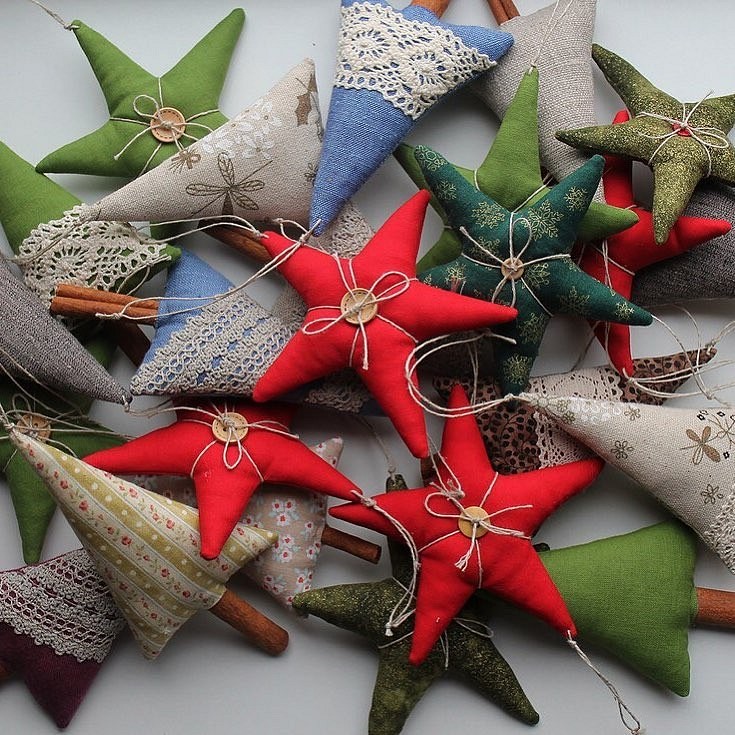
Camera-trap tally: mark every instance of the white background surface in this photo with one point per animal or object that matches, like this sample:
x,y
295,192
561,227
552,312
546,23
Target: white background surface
x,y
210,680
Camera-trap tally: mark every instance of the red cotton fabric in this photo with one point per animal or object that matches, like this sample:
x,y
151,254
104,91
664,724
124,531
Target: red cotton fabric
x,y
635,248
189,447
414,312
505,565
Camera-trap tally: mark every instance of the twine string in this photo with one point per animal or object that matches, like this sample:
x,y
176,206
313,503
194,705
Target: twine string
x,y
66,26
551,26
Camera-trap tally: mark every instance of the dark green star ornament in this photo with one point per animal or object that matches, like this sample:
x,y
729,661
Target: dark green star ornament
x,y
470,654
511,174
682,142
150,117
522,258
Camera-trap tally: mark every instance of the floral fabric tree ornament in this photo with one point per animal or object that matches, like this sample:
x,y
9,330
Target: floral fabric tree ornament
x,y
393,66
144,546
258,166
151,118
522,258
681,456
682,142
229,449
57,625
370,313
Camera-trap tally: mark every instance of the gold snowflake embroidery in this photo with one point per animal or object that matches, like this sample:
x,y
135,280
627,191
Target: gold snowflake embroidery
x,y
455,277
431,160
446,191
517,368
544,220
488,215
576,199
537,275
623,311
531,330
574,302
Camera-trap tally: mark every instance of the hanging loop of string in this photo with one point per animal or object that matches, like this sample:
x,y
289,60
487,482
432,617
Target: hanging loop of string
x,y
66,26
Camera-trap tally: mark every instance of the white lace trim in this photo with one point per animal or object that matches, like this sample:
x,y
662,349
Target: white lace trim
x,y
343,391
412,64
64,604
555,445
721,534
223,350
104,255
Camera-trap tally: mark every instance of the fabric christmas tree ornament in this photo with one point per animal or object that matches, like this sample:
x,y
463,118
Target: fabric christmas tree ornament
x,y
151,117
145,547
35,346
41,221
519,438
559,46
522,258
690,276
299,517
57,419
681,456
682,142
393,66
511,175
472,529
258,166
465,649
369,313
229,450
616,261
57,625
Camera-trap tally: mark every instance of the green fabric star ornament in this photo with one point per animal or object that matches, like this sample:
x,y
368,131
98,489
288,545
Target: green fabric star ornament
x,y
522,258
60,420
682,142
511,174
399,685
150,116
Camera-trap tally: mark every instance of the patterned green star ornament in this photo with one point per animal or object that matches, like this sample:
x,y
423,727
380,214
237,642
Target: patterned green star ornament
x,y
511,174
682,142
150,116
522,258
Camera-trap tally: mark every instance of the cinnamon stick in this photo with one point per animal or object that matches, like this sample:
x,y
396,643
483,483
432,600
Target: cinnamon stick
x,y
241,240
130,340
5,672
715,607
351,544
435,6
510,9
85,308
82,293
498,10
255,626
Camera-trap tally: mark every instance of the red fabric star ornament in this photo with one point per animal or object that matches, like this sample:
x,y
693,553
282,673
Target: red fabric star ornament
x,y
618,259
369,313
228,449
472,530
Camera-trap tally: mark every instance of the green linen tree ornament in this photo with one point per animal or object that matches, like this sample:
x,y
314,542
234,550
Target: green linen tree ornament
x,y
150,117
522,258
511,174
682,142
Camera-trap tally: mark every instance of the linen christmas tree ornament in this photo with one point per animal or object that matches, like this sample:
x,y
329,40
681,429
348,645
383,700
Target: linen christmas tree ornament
x,y
465,649
57,625
393,66
258,166
41,222
57,419
370,313
616,261
558,45
511,175
145,547
35,346
470,530
151,117
522,258
681,456
229,449
682,142
519,438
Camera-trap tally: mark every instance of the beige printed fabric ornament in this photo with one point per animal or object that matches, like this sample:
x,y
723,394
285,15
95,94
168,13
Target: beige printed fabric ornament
x,y
146,547
258,166
684,457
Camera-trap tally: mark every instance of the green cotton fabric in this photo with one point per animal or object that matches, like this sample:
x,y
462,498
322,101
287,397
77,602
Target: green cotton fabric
x,y
634,596
192,87
540,237
511,175
32,503
679,161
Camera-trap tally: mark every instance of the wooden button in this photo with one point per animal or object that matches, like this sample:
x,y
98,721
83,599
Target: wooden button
x,y
512,268
35,426
470,518
359,306
230,426
168,125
